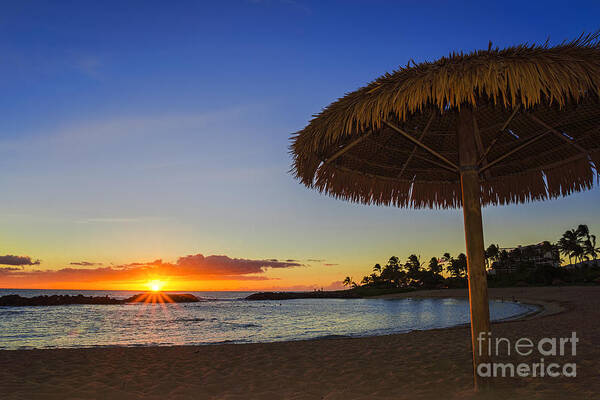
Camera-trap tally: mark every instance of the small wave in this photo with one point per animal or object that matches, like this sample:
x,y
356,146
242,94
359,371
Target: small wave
x,y
215,299
10,312
223,342
236,325
190,319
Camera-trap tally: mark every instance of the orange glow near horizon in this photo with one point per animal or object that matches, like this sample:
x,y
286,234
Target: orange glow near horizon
x,y
173,285
156,285
141,280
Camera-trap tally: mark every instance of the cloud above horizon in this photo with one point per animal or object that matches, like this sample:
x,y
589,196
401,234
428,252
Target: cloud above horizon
x,y
17,260
85,263
223,265
191,267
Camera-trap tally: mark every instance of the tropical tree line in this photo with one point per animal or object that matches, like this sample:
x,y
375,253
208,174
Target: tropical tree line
x,y
447,271
414,273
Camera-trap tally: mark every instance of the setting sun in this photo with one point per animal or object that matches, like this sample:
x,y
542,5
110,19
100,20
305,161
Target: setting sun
x,y
156,285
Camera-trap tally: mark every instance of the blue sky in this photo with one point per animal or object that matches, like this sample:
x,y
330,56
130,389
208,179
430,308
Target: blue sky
x,y
141,130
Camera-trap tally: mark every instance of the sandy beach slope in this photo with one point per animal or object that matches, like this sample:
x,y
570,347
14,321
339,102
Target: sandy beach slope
x,y
417,365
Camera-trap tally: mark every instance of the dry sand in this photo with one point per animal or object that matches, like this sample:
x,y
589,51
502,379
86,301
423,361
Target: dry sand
x,y
417,365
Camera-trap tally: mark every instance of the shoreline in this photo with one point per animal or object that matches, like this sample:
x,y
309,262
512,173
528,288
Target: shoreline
x,y
545,307
426,364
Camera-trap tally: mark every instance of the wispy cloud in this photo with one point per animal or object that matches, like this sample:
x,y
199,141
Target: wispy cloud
x,y
85,263
74,137
321,261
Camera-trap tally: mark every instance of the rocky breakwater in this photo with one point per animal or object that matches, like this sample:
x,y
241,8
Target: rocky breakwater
x,y
15,300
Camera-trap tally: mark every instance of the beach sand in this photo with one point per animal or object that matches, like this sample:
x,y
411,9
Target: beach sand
x,y
418,365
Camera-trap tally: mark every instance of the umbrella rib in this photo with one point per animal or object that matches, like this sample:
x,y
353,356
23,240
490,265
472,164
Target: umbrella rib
x,y
381,146
415,148
479,144
346,148
557,133
439,164
553,165
554,149
396,150
485,153
395,167
511,152
419,143
388,178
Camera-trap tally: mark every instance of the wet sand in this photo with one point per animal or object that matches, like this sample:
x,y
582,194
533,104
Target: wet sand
x,y
418,365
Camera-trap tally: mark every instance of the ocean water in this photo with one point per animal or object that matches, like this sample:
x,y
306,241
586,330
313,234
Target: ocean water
x,y
223,317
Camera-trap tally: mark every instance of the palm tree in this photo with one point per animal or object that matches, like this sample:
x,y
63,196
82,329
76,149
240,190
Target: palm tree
x,y
458,266
447,259
377,268
374,278
582,231
590,248
573,243
568,243
347,281
413,268
579,253
390,273
587,242
434,266
491,253
583,235
462,263
413,264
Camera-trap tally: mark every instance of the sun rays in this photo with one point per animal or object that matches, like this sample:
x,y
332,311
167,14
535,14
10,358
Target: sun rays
x,y
155,285
153,298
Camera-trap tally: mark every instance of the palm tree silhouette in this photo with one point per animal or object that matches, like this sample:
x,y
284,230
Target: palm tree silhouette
x,y
458,266
573,243
347,281
434,266
491,253
568,243
590,248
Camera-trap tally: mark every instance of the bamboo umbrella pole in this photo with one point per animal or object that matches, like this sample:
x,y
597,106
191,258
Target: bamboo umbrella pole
x,y
478,293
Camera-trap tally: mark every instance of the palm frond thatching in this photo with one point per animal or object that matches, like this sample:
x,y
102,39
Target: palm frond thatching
x,y
538,93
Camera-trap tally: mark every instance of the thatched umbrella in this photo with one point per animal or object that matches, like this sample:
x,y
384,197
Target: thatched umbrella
x,y
485,128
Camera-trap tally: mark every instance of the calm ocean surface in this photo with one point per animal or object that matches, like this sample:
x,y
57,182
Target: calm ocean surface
x,y
223,318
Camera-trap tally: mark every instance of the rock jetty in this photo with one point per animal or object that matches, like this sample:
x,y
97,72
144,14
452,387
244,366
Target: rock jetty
x,y
15,300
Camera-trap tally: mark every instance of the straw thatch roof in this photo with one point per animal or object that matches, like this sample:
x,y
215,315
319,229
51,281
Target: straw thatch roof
x,y
537,128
